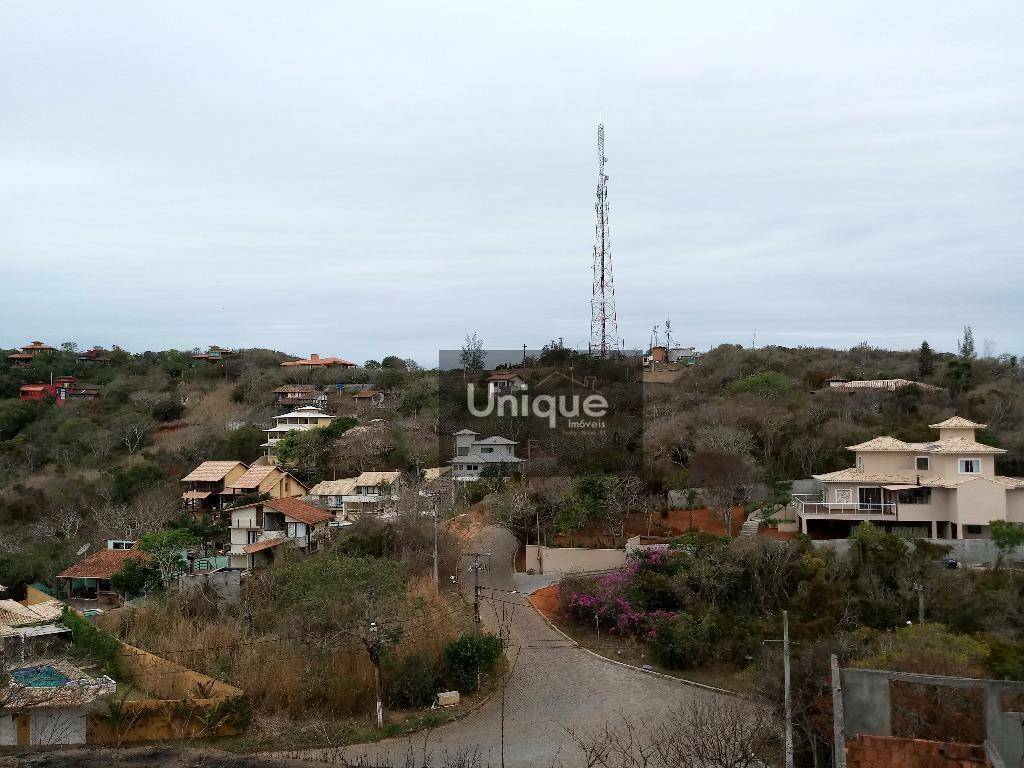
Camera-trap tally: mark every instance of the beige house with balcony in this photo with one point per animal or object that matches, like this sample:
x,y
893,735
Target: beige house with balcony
x,y
306,417
945,489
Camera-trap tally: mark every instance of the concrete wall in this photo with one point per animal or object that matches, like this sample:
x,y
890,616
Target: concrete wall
x,y
185,704
867,706
34,596
44,725
573,559
225,584
966,551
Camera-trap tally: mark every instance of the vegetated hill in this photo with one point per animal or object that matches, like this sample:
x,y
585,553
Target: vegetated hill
x,y
110,467
774,405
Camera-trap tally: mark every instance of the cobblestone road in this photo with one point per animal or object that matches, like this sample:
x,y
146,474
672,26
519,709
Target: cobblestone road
x,y
552,687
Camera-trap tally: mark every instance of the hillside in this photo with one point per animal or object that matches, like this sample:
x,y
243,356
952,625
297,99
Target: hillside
x,y
110,467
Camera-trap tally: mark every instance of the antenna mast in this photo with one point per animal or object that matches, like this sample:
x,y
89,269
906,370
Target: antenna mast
x,y
604,323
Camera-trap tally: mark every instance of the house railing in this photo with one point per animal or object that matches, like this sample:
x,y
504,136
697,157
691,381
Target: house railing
x,y
812,504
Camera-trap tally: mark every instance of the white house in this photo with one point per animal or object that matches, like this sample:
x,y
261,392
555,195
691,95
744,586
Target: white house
x,y
505,383
370,492
48,702
306,417
330,494
473,455
257,530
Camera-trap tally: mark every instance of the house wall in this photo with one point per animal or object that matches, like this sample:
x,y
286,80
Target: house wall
x,y
574,559
885,462
1015,505
979,502
8,729
237,471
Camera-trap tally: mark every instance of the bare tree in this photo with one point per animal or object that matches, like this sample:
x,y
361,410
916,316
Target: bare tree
x,y
148,512
724,478
133,433
710,733
625,495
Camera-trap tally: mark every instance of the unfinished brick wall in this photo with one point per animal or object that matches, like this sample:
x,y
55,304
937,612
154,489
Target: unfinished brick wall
x,y
888,752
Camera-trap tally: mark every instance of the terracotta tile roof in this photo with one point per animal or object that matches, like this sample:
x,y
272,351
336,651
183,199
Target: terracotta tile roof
x,y
957,422
956,445
1010,482
366,393
38,345
296,388
19,356
299,510
853,475
254,475
14,614
376,478
320,361
196,494
341,487
881,444
210,471
503,376
889,384
259,546
103,564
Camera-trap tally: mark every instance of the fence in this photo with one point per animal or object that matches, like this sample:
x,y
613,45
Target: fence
x,y
966,551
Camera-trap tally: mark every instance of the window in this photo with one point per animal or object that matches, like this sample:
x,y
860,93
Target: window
x,y
251,536
922,464
844,496
295,530
860,462
973,528
870,499
486,450
462,452
914,496
970,466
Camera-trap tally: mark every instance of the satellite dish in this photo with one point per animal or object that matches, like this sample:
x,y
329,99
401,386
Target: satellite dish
x,y
83,550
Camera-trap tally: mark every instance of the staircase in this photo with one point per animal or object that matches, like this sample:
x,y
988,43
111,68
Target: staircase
x,y
751,524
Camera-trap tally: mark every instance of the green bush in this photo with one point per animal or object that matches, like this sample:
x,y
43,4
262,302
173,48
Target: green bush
x,y
168,410
95,642
685,642
469,656
128,482
767,384
411,680
1006,659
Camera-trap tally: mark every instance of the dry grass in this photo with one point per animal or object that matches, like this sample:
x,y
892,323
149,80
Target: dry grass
x,y
281,671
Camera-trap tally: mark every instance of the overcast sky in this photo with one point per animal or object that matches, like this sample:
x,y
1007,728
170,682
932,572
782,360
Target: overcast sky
x,y
363,179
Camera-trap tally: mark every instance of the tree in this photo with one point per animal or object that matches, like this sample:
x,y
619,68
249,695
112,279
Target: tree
x,y
167,547
133,433
724,479
71,347
135,578
472,356
958,375
714,732
925,360
1006,536
393,361
966,344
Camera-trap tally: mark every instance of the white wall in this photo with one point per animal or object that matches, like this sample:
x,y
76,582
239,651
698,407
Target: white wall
x,y
57,726
574,559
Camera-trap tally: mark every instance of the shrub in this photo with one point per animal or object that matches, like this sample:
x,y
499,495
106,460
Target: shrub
x,y
411,680
685,642
469,656
128,482
95,642
767,384
1006,659
168,410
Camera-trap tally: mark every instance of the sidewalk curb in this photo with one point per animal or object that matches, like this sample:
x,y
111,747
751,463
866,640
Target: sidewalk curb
x,y
653,673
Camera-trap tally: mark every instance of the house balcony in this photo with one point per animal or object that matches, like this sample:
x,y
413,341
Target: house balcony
x,y
813,505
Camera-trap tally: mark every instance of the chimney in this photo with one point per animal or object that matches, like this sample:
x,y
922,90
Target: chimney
x,y
314,356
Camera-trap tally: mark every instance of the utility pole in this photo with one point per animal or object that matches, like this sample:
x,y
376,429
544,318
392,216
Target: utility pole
x,y
789,703
373,645
475,567
919,588
434,506
540,546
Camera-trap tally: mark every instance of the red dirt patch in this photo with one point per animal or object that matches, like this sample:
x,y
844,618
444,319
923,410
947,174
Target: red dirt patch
x,y
546,601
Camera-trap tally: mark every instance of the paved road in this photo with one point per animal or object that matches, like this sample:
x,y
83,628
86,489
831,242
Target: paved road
x,y
553,687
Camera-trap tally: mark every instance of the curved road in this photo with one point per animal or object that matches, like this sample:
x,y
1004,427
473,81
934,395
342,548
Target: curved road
x,y
552,687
